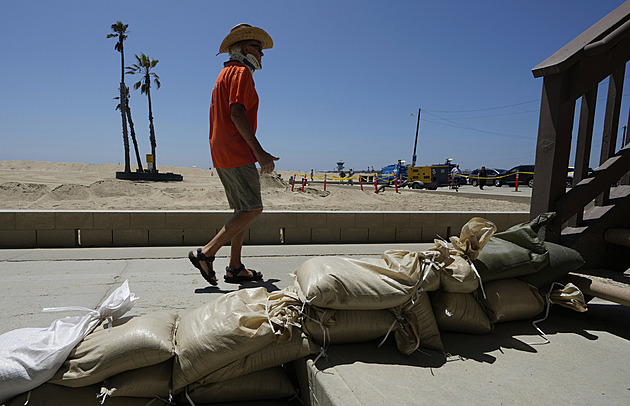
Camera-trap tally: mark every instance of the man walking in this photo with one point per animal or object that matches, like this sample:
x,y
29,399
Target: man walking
x,y
235,149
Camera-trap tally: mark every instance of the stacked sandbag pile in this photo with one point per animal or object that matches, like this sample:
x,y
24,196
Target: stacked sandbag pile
x,y
466,286
233,349
230,350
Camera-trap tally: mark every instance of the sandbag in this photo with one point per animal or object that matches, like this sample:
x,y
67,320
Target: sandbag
x,y
272,383
351,284
237,324
132,342
410,262
459,313
569,296
56,395
274,354
330,326
458,277
417,326
147,382
501,259
30,356
517,251
511,299
473,236
562,260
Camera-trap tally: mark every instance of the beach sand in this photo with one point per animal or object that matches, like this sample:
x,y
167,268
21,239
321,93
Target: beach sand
x,y
34,185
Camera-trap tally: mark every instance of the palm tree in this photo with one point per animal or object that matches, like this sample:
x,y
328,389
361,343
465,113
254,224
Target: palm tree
x,y
143,66
119,31
131,127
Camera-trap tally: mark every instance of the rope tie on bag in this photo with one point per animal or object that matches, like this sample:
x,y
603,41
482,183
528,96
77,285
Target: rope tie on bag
x,y
102,396
28,397
188,397
483,292
535,322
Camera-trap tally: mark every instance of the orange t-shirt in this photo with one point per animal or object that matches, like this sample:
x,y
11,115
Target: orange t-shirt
x,y
235,84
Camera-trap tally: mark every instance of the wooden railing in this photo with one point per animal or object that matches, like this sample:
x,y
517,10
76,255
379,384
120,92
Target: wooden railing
x,y
573,73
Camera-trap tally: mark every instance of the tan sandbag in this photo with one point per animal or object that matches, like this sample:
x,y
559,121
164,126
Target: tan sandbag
x,y
459,276
473,237
511,299
351,284
330,326
409,262
147,382
272,383
56,395
569,296
237,324
274,354
132,342
417,326
459,313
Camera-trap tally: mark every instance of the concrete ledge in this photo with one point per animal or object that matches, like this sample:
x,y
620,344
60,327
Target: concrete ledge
x,y
82,228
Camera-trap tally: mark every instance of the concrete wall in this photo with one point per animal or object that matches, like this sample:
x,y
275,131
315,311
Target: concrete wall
x,y
57,229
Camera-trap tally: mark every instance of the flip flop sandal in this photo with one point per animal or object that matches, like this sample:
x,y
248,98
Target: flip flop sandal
x,y
196,261
236,278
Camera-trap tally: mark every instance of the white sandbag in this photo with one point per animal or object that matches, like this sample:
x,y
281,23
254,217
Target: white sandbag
x,y
131,343
330,326
147,382
511,299
351,284
31,356
274,354
55,395
235,325
272,383
459,313
417,326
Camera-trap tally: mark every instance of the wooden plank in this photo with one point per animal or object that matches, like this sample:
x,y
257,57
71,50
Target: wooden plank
x,y
611,123
552,149
583,147
566,56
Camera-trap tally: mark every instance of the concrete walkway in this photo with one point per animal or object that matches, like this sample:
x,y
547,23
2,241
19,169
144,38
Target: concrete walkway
x,y
585,363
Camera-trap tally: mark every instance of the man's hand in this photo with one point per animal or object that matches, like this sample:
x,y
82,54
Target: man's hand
x,y
266,162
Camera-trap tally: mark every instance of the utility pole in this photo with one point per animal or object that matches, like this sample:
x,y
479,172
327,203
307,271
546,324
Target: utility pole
x,y
415,144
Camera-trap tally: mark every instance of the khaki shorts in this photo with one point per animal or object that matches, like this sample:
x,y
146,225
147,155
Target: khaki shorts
x,y
242,187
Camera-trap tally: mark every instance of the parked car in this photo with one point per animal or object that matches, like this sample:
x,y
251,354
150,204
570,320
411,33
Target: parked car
x,y
525,176
570,171
491,173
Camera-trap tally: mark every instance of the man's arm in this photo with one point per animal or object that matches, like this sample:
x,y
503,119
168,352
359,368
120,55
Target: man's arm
x,y
239,118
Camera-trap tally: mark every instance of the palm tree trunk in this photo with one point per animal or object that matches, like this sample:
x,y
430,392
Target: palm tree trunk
x,y
124,128
152,132
133,138
123,105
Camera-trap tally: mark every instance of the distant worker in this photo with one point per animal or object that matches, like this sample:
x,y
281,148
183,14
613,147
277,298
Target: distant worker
x,y
482,177
455,174
235,150
350,175
311,175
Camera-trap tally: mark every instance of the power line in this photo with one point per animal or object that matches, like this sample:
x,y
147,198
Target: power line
x,y
485,109
454,124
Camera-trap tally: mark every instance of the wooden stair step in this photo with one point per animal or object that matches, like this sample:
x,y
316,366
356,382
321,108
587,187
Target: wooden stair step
x,y
619,236
602,283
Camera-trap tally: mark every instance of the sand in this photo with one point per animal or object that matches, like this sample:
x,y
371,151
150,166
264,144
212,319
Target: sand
x,y
32,185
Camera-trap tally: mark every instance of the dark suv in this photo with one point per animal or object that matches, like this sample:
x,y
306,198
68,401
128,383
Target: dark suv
x,y
473,178
525,176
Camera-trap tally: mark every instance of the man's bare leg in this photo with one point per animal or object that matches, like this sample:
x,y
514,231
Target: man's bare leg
x,y
235,227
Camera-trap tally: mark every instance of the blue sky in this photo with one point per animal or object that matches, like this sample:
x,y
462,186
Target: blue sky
x,y
339,84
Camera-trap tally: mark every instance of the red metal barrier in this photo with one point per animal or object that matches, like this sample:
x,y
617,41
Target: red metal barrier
x,y
324,182
293,182
303,183
375,185
516,187
361,182
396,184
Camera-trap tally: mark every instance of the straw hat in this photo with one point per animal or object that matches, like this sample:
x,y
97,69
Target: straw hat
x,y
243,32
